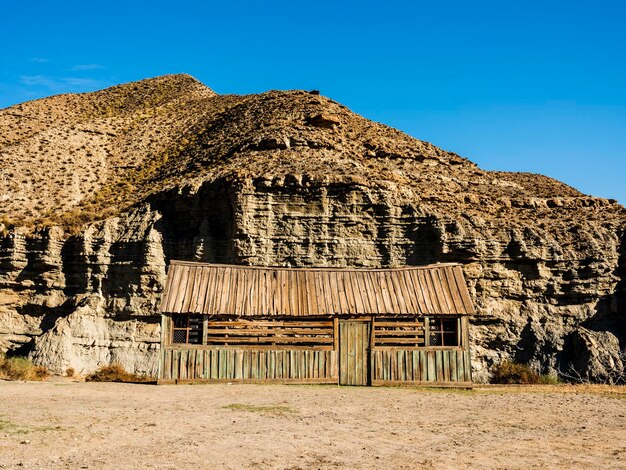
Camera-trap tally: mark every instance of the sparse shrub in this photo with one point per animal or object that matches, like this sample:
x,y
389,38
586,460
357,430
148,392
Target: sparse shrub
x,y
116,373
70,372
21,368
508,372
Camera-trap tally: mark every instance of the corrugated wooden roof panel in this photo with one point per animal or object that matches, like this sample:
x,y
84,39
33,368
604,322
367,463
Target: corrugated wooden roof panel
x,y
259,291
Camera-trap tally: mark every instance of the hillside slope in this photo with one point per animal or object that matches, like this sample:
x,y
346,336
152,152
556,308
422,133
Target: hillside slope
x,y
101,190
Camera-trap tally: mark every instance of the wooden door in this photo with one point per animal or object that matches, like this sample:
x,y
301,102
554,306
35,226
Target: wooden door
x,y
354,345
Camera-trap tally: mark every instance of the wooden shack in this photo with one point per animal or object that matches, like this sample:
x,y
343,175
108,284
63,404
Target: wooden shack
x,y
223,323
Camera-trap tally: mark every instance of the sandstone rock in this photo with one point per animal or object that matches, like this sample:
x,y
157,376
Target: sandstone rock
x,y
597,357
260,180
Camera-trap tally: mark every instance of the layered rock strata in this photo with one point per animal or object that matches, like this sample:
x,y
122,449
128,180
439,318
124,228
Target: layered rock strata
x,y
295,179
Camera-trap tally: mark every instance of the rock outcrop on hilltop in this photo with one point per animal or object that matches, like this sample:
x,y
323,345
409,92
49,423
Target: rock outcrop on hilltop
x,y
101,190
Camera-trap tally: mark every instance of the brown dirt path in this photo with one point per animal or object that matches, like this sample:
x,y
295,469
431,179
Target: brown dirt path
x,y
90,425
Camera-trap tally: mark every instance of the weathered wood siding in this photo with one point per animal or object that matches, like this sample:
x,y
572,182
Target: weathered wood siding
x,y
295,366
396,366
245,291
354,349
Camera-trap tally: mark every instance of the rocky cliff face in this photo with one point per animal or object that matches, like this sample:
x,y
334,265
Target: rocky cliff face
x,y
294,179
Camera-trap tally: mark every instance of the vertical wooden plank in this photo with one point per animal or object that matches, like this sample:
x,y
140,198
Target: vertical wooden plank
x,y
301,364
211,292
292,371
308,294
238,359
446,365
262,364
240,285
320,295
234,291
413,297
272,281
433,278
211,372
368,294
232,365
245,364
334,364
271,365
419,280
169,294
394,295
343,359
190,292
460,367
431,371
278,358
462,288
453,372
467,365
423,367
450,284
408,365
383,294
439,365
356,356
181,288
224,283
221,364
465,343
357,289
174,364
333,288
352,292
166,371
432,291
384,364
351,354
199,363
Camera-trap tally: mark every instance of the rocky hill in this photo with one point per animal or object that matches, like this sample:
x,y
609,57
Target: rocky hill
x,y
100,190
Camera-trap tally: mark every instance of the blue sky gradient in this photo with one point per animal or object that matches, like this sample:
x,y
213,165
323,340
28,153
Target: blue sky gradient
x,y
518,86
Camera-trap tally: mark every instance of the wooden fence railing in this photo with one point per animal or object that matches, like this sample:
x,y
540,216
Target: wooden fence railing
x,y
297,366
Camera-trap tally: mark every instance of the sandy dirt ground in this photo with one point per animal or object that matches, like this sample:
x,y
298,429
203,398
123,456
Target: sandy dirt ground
x,y
63,424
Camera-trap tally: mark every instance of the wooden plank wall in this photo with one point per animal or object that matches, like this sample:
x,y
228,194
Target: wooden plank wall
x,y
394,366
233,365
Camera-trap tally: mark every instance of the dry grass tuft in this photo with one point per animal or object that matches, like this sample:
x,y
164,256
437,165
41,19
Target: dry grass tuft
x,y
21,368
116,373
265,409
508,372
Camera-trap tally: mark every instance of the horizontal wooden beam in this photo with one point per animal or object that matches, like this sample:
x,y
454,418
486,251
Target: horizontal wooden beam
x,y
269,331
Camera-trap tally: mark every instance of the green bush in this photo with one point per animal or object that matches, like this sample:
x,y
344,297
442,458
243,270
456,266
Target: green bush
x,y
21,368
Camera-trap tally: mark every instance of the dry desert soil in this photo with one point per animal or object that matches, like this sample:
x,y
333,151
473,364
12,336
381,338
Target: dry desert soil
x,y
66,424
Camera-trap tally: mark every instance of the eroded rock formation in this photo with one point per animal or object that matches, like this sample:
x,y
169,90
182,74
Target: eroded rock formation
x,y
288,179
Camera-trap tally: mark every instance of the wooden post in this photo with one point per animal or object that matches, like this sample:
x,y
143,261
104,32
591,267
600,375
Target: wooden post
x,y
205,327
336,333
372,376
465,334
160,374
426,331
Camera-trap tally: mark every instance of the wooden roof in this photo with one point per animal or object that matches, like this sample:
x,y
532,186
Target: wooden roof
x,y
214,289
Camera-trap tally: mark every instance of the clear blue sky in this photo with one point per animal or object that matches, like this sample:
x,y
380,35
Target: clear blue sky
x,y
536,86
